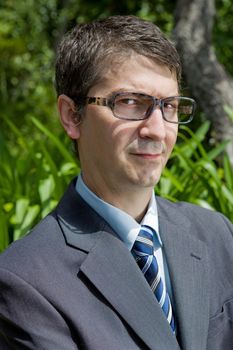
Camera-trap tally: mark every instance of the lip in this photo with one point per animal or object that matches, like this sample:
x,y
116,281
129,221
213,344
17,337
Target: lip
x,y
147,155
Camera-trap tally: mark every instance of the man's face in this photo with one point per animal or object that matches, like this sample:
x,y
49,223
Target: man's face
x,y
121,156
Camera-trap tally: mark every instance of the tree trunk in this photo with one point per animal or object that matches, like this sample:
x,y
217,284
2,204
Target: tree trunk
x,y
210,84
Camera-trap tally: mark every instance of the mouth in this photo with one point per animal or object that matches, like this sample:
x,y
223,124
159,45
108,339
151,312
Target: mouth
x,y
151,156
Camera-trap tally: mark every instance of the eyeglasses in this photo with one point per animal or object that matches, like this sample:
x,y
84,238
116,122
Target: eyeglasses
x,y
138,106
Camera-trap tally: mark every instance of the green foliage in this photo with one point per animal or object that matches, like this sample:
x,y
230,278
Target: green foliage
x,y
223,33
33,177
195,175
229,112
26,61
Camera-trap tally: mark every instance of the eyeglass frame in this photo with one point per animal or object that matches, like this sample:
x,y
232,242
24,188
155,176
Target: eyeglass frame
x,y
109,102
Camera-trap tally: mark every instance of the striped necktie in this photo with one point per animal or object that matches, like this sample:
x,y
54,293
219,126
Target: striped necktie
x,y
143,251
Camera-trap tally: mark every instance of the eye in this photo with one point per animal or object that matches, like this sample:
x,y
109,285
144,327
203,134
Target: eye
x,y
133,102
170,105
129,101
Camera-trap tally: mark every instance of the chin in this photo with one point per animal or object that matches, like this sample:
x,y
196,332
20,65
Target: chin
x,y
146,182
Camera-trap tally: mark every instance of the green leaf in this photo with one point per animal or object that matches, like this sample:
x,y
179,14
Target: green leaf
x,y
4,235
22,205
228,172
27,221
216,151
229,112
46,189
173,179
203,203
57,143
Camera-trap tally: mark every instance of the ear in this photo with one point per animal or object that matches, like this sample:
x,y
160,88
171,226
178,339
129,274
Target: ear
x,y
70,120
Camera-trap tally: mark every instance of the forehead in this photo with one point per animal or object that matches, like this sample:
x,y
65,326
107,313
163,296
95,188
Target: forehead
x,y
136,73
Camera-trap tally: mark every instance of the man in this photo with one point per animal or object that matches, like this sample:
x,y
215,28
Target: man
x,y
114,267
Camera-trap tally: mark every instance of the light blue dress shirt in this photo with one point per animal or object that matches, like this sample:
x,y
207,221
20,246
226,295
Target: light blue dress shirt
x,y
126,227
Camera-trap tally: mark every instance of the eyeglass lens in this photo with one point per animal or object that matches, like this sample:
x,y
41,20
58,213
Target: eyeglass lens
x,y
138,106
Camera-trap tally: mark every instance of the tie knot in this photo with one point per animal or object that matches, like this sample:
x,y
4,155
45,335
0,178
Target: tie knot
x,y
144,242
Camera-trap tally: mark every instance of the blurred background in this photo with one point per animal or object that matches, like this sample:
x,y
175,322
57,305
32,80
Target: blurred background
x,y
36,158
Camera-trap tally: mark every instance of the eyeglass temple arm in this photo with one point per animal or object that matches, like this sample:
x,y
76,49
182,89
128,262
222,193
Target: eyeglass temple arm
x,y
99,101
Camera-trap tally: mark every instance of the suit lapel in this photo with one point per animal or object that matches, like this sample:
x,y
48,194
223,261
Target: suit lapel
x,y
187,260
114,272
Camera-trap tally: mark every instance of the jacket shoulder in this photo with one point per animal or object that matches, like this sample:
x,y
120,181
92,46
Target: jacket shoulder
x,y
39,241
203,221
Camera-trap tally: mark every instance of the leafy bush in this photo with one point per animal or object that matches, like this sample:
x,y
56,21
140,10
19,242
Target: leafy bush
x,y
35,172
33,176
199,176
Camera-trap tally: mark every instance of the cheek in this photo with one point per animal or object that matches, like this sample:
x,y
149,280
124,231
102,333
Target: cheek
x,y
122,134
171,137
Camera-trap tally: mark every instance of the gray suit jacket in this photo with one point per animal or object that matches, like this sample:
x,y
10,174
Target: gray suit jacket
x,y
72,284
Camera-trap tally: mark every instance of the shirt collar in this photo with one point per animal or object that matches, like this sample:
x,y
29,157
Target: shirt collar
x,y
123,224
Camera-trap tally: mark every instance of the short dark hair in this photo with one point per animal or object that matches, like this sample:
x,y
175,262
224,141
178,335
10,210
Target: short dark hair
x,y
87,50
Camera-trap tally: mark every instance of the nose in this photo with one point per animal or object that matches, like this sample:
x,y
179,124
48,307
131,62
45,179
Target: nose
x,y
153,127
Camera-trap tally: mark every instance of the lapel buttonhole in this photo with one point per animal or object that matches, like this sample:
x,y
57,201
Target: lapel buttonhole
x,y
195,256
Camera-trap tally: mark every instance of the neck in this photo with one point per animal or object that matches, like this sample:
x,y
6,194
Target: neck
x,y
132,200
134,204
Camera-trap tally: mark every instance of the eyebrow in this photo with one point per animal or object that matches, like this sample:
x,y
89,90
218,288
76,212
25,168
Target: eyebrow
x,y
114,92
